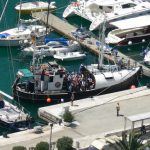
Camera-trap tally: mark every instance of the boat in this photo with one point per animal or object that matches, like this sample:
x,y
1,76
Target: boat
x,y
19,35
130,31
11,116
52,47
118,10
92,10
70,56
36,6
51,83
85,9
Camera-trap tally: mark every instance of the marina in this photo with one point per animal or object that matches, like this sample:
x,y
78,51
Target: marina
x,y
65,28
73,85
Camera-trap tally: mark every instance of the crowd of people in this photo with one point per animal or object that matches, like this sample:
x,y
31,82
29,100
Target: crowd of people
x,y
76,82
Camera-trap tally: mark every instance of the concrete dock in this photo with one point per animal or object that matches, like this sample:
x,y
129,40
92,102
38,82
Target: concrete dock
x,y
65,29
94,118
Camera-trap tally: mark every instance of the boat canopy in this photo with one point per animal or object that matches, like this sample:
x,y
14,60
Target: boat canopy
x,y
4,35
62,40
135,22
25,73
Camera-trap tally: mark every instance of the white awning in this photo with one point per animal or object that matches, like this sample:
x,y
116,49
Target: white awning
x,y
135,22
139,117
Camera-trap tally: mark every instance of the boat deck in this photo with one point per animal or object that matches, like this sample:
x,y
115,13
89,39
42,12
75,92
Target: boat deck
x,y
64,28
9,114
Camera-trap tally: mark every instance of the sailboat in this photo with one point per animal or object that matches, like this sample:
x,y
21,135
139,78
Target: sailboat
x,y
18,35
11,115
36,6
50,82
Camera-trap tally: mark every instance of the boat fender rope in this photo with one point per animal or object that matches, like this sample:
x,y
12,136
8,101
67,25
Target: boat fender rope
x,y
57,84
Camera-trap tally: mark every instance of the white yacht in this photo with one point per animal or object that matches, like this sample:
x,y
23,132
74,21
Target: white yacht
x,y
119,9
51,48
130,31
18,35
88,9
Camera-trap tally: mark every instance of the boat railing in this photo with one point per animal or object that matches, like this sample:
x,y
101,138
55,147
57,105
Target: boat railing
x,y
9,98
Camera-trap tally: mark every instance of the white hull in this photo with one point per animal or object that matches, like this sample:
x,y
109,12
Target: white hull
x,y
29,7
112,77
140,9
81,8
17,36
49,50
12,116
69,56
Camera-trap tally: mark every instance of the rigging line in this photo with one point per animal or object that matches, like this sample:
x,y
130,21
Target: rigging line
x,y
148,45
11,60
3,10
112,85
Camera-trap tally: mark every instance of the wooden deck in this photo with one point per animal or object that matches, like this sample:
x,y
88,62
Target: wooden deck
x,y
64,28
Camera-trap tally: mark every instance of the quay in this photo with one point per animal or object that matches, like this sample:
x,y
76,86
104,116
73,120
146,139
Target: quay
x,y
64,28
94,118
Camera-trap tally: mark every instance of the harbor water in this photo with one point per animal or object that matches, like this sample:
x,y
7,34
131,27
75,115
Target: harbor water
x,y
11,59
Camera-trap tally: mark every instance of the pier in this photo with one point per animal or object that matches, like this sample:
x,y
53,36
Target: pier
x,y
63,27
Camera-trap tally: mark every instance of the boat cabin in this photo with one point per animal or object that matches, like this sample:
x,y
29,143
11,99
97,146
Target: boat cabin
x,y
50,76
115,5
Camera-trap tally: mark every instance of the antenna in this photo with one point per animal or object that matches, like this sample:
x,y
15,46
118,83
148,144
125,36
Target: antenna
x,y
101,57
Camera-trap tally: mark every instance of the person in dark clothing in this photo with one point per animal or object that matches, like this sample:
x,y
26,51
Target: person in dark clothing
x,y
42,80
118,109
143,130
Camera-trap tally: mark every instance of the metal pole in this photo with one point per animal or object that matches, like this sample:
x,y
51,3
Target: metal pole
x,y
50,138
47,17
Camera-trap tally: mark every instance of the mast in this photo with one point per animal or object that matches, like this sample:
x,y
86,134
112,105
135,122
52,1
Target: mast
x,y
47,17
3,10
19,14
101,55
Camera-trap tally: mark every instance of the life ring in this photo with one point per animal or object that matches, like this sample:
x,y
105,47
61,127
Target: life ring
x,y
57,84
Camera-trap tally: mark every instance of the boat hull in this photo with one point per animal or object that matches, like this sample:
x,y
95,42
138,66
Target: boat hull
x,y
14,42
16,126
134,40
29,11
57,96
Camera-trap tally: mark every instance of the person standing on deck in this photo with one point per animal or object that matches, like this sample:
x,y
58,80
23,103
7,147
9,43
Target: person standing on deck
x,y
42,80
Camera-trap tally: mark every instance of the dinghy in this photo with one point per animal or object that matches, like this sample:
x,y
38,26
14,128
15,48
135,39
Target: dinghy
x,y
69,56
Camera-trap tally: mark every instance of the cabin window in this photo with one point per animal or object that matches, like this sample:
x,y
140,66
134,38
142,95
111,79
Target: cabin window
x,y
110,7
100,7
129,5
51,78
61,75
